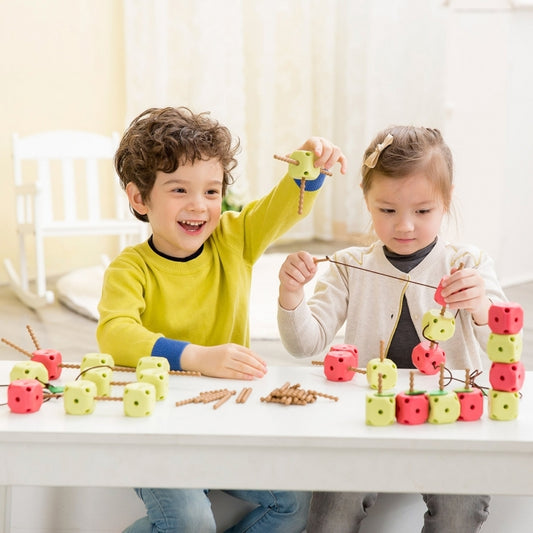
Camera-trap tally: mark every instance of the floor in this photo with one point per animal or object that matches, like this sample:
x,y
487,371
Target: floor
x,y
73,335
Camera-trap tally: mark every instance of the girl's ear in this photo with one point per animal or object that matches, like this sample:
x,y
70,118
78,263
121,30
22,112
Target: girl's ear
x,y
135,198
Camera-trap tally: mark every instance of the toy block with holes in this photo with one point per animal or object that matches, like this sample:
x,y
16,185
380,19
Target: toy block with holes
x,y
29,370
503,406
90,360
380,406
504,348
381,366
152,361
507,377
427,357
158,377
101,377
25,396
470,400
412,406
506,318
444,406
438,325
139,399
340,363
78,397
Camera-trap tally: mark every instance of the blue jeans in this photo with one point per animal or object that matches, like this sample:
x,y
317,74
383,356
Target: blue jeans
x,y
189,510
343,512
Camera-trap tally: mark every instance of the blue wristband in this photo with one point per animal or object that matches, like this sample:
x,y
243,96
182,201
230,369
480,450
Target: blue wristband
x,y
171,349
312,185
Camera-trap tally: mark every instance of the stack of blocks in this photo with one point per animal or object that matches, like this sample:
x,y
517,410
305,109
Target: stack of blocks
x,y
504,349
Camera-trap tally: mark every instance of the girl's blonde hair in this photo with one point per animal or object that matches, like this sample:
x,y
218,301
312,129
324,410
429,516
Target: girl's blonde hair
x,y
411,149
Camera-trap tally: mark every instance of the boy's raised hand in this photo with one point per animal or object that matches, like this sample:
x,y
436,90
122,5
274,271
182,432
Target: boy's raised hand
x,y
298,269
230,361
326,153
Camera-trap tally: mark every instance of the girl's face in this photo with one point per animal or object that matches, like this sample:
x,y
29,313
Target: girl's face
x,y
406,212
184,206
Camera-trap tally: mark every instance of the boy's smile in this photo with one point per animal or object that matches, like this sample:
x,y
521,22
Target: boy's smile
x,y
184,207
406,212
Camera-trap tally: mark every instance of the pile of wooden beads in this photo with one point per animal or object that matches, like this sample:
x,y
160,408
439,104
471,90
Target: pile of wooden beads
x,y
294,395
220,396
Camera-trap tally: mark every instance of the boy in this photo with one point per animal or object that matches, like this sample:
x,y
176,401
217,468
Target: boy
x,y
184,294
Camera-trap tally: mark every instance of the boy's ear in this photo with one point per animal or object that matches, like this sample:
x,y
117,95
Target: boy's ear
x,y
135,198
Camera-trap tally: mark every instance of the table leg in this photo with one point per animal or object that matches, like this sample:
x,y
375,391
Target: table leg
x,y
5,509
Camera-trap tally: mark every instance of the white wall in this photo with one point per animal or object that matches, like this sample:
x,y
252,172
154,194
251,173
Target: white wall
x,y
490,108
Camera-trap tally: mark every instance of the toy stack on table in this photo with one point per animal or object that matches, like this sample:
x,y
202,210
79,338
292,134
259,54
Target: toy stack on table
x,y
504,349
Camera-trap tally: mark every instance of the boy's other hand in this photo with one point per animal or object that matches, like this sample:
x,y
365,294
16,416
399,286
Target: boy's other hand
x,y
230,361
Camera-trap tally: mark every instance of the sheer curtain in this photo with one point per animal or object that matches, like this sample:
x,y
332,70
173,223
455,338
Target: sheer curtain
x,y
278,71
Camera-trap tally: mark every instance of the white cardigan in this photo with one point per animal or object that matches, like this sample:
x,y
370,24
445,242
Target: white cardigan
x,y
370,304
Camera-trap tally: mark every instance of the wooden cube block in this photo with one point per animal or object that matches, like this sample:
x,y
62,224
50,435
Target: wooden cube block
x,y
412,408
29,370
504,348
91,360
158,378
51,359
507,377
380,409
503,405
438,327
388,370
139,399
427,357
444,407
506,318
79,397
24,396
471,402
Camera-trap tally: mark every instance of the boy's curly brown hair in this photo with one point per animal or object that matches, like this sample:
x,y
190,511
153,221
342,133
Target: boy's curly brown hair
x,y
165,138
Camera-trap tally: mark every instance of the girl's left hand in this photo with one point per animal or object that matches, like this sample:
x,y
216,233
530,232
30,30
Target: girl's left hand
x,y
465,289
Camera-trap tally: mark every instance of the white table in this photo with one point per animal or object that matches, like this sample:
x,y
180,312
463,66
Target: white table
x,y
324,446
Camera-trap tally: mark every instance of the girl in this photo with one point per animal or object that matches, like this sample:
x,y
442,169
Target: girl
x,y
407,185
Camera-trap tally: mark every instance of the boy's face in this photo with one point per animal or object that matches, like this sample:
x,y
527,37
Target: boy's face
x,y
406,212
184,207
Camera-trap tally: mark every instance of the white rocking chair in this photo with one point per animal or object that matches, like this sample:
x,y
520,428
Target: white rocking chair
x,y
79,187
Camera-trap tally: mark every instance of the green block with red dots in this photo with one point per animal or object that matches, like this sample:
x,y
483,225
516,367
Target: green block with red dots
x,y
444,407
305,169
380,409
504,348
437,325
503,405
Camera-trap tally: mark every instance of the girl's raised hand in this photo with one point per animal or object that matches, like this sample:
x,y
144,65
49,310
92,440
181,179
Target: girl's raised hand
x,y
465,289
298,269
